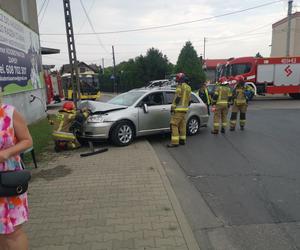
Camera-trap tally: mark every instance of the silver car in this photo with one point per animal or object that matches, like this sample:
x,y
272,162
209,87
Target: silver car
x,y
137,113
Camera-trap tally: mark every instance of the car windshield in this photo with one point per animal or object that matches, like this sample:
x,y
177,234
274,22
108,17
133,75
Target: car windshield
x,y
127,99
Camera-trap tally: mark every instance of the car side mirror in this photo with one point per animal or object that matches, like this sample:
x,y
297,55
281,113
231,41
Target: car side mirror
x,y
145,108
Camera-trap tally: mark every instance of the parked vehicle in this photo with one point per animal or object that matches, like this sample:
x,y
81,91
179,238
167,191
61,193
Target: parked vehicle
x,y
278,75
137,113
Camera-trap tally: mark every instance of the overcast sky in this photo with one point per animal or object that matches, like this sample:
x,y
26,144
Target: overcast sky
x,y
241,34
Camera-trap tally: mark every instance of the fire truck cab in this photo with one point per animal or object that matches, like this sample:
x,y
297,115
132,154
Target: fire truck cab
x,y
278,75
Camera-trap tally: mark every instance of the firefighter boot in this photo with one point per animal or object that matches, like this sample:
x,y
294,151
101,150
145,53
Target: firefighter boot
x,y
223,130
182,142
232,128
215,132
170,145
242,128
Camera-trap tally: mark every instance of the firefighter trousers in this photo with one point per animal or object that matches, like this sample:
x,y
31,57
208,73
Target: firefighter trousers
x,y
234,113
220,114
178,127
68,138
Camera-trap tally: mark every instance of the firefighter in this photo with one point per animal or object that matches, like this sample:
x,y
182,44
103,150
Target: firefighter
x,y
179,108
203,94
64,119
240,103
221,102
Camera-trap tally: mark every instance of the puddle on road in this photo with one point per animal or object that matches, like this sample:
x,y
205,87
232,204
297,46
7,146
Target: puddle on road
x,y
53,173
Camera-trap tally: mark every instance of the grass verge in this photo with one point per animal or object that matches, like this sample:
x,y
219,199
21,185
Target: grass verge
x,y
41,135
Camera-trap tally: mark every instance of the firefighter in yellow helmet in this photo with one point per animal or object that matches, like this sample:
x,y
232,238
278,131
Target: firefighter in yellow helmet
x,y
179,108
240,103
63,137
220,104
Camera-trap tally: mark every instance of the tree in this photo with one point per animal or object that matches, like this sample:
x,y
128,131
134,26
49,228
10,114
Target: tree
x,y
188,62
258,55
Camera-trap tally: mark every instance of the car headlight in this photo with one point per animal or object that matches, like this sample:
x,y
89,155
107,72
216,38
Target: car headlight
x,y
96,118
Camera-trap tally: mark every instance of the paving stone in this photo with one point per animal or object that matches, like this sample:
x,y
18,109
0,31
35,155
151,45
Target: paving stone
x,y
115,200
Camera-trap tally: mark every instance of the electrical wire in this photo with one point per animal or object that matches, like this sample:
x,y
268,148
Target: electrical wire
x,y
41,7
92,27
89,10
171,25
45,9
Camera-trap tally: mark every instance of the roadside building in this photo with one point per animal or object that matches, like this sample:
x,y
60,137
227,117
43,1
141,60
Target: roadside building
x,y
21,74
279,36
210,66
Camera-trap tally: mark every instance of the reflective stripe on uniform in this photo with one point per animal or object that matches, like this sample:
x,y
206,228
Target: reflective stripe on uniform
x,y
181,109
64,135
224,124
183,137
175,139
222,102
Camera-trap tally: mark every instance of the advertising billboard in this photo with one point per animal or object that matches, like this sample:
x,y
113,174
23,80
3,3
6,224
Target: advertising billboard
x,y
20,59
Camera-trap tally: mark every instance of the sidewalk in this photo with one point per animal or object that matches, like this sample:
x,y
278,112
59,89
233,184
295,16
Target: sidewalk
x,y
120,199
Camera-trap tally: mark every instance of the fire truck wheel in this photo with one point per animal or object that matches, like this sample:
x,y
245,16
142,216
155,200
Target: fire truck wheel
x,y
295,95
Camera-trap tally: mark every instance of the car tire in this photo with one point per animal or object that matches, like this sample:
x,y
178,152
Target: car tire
x,y
122,134
193,126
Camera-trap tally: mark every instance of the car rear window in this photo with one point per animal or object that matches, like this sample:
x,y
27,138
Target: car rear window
x,y
194,99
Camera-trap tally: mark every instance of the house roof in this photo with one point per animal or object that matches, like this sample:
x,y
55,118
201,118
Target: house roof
x,y
294,15
213,63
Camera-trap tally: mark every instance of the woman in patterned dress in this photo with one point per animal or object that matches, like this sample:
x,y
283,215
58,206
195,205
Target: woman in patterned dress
x,y
14,139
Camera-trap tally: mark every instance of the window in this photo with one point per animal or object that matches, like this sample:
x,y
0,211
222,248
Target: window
x,y
239,69
126,99
154,99
194,99
169,97
81,69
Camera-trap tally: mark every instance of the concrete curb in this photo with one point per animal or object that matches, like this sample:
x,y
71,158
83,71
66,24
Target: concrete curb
x,y
184,225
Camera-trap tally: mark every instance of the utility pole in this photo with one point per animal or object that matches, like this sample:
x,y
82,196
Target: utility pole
x,y
103,65
72,52
288,37
204,43
114,70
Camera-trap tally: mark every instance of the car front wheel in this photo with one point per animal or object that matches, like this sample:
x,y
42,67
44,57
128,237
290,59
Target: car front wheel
x,y
192,126
122,134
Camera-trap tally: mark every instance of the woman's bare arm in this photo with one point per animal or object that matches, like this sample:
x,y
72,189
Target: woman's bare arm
x,y
24,140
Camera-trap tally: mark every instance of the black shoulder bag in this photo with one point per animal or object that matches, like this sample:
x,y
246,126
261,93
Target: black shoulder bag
x,y
13,183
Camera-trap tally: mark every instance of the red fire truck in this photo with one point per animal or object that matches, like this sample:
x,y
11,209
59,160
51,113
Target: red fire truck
x,y
275,75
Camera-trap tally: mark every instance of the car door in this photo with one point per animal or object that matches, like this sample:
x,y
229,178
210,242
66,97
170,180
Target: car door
x,y
154,120
169,96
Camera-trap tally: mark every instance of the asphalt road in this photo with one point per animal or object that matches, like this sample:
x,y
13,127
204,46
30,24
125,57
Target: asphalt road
x,y
241,190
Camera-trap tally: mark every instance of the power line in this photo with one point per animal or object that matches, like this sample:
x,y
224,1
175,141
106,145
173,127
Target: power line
x,y
90,22
45,9
41,7
82,25
174,24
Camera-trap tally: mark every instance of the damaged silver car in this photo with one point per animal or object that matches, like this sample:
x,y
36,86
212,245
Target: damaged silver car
x,y
137,113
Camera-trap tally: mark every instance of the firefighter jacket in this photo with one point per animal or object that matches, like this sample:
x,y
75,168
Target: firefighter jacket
x,y
62,123
203,94
239,96
222,96
181,99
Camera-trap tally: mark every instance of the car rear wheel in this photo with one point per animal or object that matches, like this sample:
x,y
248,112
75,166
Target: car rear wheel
x,y
122,134
192,126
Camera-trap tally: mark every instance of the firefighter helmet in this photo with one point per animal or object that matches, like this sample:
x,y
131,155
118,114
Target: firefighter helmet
x,y
180,77
68,106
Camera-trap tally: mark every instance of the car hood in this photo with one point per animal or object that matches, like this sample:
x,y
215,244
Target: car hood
x,y
100,107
